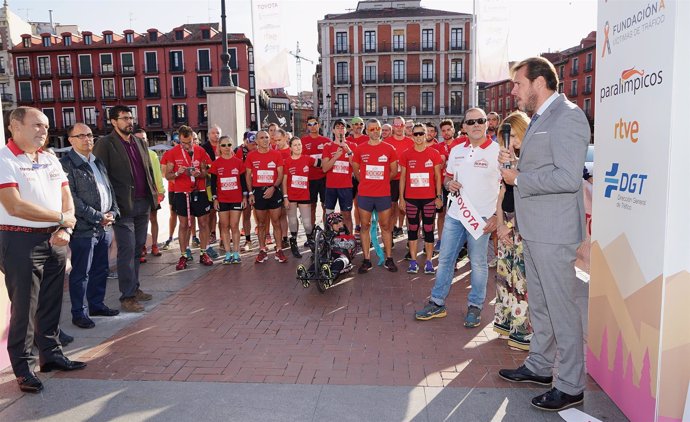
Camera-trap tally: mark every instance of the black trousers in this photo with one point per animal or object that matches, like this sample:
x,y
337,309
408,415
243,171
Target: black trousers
x,y
34,276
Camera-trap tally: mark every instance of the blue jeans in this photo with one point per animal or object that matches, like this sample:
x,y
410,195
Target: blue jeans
x,y
454,236
89,272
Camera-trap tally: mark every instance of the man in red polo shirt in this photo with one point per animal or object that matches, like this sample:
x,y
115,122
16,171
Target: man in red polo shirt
x,y
312,145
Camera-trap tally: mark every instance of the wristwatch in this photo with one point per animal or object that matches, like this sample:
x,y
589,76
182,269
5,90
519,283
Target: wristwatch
x,y
509,224
439,196
66,230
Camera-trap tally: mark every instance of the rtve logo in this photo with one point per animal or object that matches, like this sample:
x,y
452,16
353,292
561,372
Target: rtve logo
x,y
625,182
626,130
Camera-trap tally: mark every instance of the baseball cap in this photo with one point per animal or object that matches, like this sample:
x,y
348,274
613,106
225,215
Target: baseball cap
x,y
356,120
250,136
339,122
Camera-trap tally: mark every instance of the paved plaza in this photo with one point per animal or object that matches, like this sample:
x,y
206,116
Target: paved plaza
x,y
248,342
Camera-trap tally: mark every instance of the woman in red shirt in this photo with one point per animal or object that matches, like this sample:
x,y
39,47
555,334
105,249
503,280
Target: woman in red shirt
x,y
420,193
296,188
228,198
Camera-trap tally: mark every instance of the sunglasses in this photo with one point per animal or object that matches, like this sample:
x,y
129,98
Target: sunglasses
x,y
373,129
419,134
471,122
226,145
312,124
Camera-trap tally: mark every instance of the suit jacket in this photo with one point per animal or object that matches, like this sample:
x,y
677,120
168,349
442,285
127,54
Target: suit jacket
x,y
87,201
110,150
549,202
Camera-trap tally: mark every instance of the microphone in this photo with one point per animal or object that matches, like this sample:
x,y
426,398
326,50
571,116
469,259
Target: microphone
x,y
505,133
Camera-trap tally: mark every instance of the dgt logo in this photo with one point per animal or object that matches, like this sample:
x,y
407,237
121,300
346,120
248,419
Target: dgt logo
x,y
626,130
625,182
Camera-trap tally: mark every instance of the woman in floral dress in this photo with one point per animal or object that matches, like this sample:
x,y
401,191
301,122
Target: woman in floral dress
x,y
511,311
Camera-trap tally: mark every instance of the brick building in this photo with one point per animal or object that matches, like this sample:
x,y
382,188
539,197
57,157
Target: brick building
x,y
393,58
575,67
77,77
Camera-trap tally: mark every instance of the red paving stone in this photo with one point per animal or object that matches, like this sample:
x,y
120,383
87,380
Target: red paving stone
x,y
255,323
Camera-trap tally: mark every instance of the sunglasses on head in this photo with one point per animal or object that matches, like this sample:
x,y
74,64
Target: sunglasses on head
x,y
419,134
471,122
226,145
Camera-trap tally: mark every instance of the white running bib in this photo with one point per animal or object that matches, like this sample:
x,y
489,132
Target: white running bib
x,y
419,180
264,176
228,183
341,167
374,172
299,182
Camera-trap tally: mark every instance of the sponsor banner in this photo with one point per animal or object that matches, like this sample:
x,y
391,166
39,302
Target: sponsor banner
x,y
270,52
461,209
493,22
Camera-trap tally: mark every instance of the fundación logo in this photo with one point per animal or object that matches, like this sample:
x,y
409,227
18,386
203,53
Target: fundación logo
x,y
633,24
623,182
631,80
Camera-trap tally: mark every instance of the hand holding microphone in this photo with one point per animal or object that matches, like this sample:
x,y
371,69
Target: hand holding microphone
x,y
505,134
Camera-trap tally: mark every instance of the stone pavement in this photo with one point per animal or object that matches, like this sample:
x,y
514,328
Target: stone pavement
x,y
247,342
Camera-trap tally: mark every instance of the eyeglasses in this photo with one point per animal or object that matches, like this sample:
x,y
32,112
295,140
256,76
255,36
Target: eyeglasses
x,y
419,134
312,124
471,122
83,136
225,145
398,125
127,119
373,129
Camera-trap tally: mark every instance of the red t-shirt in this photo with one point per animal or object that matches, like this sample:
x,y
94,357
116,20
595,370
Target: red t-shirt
x,y
264,167
181,158
340,175
444,149
285,153
374,168
400,146
314,148
229,172
419,172
358,141
297,173
165,159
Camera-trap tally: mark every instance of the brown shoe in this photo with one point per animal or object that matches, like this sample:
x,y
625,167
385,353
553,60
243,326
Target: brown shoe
x,y
141,296
131,304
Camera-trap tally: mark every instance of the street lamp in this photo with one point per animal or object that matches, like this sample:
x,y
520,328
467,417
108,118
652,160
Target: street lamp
x,y
225,79
328,115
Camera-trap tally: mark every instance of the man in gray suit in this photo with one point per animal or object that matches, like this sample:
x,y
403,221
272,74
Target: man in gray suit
x,y
549,205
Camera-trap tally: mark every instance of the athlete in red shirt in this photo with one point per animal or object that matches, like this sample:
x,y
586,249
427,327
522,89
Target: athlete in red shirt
x,y
296,188
375,163
401,143
358,138
228,199
188,166
283,147
420,193
264,168
313,145
337,159
172,221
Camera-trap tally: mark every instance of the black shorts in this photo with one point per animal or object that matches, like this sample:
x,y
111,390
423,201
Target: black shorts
x,y
262,204
355,187
171,199
198,204
229,206
317,190
395,190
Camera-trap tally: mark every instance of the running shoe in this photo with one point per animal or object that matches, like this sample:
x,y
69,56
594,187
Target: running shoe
x,y
429,268
413,268
236,258
262,256
155,251
206,260
430,311
280,256
390,265
228,258
181,264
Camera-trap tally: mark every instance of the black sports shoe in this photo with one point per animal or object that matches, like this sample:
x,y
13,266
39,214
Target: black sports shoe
x,y
365,267
555,400
390,265
523,374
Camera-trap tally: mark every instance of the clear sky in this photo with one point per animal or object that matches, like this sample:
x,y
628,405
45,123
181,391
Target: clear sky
x,y
536,25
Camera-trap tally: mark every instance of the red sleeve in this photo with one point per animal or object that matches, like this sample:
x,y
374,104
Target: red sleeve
x,y
214,168
403,160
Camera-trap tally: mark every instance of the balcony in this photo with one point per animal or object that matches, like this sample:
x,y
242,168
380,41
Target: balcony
x,y
457,78
204,68
588,67
2,70
573,93
47,99
128,71
458,46
201,93
109,97
129,96
151,70
586,91
176,93
154,123
427,112
371,112
45,74
86,72
65,73
371,48
176,69
413,78
24,100
341,81
6,98
106,72
152,95
574,72
67,98
340,49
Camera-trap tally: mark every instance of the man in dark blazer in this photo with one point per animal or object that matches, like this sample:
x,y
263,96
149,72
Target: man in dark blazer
x,y
549,205
129,168
96,209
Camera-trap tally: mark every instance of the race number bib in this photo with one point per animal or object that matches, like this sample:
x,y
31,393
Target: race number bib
x,y
341,167
228,183
299,182
264,176
374,172
419,180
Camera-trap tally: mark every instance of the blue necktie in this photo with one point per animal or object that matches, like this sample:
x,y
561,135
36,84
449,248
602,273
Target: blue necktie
x,y
534,119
